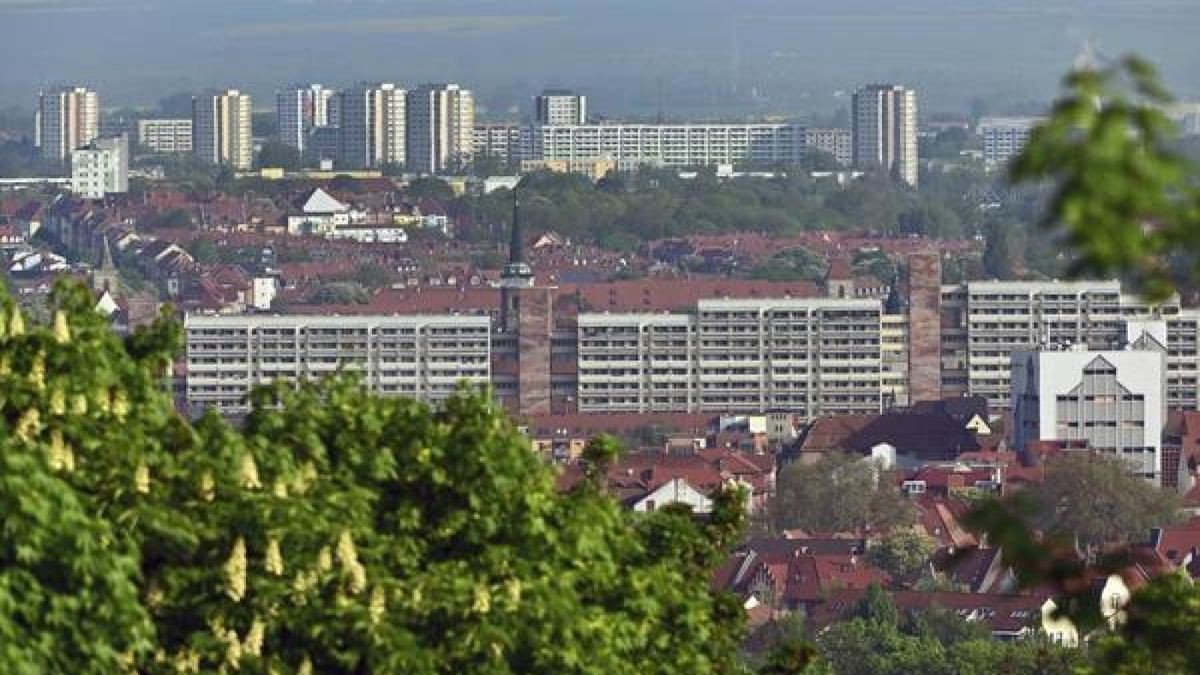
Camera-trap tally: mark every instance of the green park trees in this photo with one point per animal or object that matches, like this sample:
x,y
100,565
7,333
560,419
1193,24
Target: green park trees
x,y
841,492
335,532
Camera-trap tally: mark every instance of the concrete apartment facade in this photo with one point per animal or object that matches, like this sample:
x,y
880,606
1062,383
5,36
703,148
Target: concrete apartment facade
x,y
424,357
1004,137
165,136
884,129
673,145
66,118
837,142
807,356
100,168
560,106
503,142
221,131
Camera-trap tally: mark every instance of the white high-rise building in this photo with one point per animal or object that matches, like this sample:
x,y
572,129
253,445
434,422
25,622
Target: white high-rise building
x,y
299,110
100,168
221,131
1004,137
373,119
1112,401
67,118
884,119
559,106
168,136
441,127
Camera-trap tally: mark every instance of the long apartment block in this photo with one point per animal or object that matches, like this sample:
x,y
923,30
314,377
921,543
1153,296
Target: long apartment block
x,y
984,322
423,357
804,356
807,356
677,145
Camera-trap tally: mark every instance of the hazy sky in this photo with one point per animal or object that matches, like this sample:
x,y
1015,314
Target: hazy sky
x,y
680,57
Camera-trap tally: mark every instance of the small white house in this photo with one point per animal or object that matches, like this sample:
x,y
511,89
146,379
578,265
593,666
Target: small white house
x,y
318,214
674,491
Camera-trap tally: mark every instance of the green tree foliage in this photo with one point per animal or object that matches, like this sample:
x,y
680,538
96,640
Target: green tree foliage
x,y
82,415
334,532
340,293
173,219
877,640
1094,500
428,187
372,275
656,204
1160,636
1124,197
840,492
903,553
1000,253
279,155
793,264
876,263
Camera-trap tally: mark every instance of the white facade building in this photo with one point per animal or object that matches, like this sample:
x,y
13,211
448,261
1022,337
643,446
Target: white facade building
x,y
805,356
423,357
837,142
884,118
100,168
1004,137
508,143
372,122
441,127
674,145
560,106
221,131
985,322
166,136
66,118
1114,401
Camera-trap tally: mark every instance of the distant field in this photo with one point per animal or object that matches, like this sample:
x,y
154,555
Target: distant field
x,y
420,24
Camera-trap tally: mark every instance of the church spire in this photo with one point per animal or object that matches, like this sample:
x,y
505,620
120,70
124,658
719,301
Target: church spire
x,y
106,258
516,246
517,271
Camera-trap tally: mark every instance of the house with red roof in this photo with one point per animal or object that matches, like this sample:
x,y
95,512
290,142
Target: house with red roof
x,y
796,575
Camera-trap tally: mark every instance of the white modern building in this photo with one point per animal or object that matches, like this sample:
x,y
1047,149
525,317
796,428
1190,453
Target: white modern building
x,y
423,357
884,119
166,136
1004,137
372,123
1112,401
673,145
560,106
100,168
441,128
66,118
221,130
300,109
